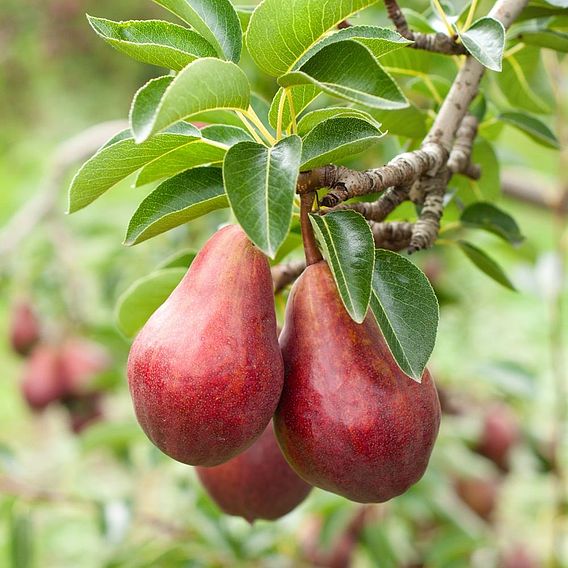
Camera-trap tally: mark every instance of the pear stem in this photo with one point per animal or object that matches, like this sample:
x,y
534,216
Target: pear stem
x,y
311,250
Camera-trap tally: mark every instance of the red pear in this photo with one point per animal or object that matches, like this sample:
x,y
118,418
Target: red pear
x,y
257,484
499,435
84,410
81,361
206,371
349,420
43,382
479,494
24,328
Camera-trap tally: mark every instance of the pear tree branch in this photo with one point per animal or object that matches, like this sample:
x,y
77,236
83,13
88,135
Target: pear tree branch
x,y
436,42
422,175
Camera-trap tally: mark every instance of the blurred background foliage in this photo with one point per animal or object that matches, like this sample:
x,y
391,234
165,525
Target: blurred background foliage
x,y
107,497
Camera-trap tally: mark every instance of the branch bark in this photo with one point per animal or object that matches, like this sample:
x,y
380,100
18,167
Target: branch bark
x,y
425,171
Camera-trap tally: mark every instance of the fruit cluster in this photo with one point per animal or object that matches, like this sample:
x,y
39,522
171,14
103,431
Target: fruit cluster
x,y
58,372
207,375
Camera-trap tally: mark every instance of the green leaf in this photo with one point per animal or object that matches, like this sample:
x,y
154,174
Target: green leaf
x,y
225,134
485,40
279,33
302,96
154,41
144,297
205,84
349,70
524,81
379,41
312,119
406,309
21,545
176,201
260,183
348,247
486,264
198,153
215,20
217,139
490,218
531,126
115,162
335,139
549,39
180,259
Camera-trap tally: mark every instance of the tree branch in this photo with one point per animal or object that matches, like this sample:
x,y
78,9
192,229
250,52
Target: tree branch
x,y
438,42
421,175
284,274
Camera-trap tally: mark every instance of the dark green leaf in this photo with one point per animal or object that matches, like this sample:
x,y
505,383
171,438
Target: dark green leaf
x,y
312,119
485,40
531,126
144,297
489,218
335,139
348,247
406,309
279,33
215,20
550,39
260,183
205,84
348,70
176,201
154,41
486,264
217,139
115,162
379,41
198,153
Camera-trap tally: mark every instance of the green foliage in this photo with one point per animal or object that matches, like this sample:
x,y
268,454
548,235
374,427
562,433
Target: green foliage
x,y
154,41
333,99
406,309
215,20
335,139
349,250
144,297
260,183
485,40
486,264
176,201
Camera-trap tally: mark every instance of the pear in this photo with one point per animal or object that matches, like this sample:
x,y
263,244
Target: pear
x,y
81,361
24,327
499,435
349,420
206,372
257,484
43,381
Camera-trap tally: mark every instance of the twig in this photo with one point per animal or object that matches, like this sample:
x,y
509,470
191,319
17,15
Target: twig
x,y
460,156
438,42
311,250
395,236
284,274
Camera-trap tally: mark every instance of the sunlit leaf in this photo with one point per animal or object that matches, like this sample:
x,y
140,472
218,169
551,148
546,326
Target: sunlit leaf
x,y
154,41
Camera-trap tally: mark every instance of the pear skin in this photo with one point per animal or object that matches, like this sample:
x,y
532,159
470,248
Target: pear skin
x,y
206,372
349,420
257,484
